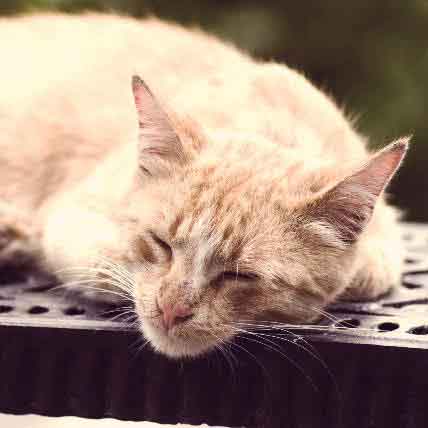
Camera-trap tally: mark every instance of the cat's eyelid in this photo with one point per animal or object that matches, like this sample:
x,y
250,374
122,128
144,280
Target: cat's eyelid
x,y
240,276
156,236
160,241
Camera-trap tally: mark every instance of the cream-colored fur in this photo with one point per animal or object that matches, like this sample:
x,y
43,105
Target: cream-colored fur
x,y
238,166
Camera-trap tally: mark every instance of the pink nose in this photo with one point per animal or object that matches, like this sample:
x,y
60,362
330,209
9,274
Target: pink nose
x,y
173,314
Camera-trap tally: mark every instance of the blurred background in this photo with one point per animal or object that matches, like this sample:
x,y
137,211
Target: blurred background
x,y
371,55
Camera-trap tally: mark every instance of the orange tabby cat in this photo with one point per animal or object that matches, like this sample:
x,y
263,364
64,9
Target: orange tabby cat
x,y
245,197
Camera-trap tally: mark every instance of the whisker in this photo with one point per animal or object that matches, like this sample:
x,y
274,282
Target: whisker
x,y
279,325
242,348
122,314
84,285
119,308
312,351
114,274
230,358
275,348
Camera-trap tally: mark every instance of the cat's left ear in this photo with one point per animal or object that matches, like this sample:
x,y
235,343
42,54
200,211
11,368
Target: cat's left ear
x,y
160,149
348,206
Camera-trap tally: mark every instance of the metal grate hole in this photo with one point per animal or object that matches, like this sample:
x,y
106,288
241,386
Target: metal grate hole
x,y
387,326
423,329
5,309
411,260
38,310
74,311
411,285
350,323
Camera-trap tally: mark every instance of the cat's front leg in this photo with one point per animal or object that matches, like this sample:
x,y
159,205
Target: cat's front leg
x,y
86,250
19,240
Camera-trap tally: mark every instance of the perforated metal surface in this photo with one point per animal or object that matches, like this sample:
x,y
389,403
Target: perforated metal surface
x,y
58,357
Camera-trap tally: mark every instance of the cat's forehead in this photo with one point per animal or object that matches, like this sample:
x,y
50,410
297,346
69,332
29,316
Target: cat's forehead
x,y
226,217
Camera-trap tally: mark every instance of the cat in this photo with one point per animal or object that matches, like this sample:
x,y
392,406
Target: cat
x,y
230,193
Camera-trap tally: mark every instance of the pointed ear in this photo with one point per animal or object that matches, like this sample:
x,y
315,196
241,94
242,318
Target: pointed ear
x,y
348,206
160,148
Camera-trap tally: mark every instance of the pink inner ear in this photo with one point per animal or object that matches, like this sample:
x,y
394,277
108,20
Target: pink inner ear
x,y
348,206
159,145
381,168
147,106
143,96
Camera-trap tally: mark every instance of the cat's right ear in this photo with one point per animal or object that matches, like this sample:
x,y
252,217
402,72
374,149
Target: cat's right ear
x,y
348,206
160,149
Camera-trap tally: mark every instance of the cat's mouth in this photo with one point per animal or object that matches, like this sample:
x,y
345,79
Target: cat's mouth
x,y
177,344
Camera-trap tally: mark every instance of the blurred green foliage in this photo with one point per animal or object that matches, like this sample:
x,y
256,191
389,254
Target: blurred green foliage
x,y
372,55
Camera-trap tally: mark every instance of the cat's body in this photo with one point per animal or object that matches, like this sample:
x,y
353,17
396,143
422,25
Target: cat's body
x,y
257,147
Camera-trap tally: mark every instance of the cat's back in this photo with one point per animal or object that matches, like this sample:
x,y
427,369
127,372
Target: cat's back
x,y
54,54
66,101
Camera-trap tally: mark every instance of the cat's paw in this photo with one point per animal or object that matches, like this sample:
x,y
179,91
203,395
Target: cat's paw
x,y
377,273
367,286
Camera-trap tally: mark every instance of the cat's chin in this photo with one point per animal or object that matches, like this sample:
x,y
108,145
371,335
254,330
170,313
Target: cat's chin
x,y
173,346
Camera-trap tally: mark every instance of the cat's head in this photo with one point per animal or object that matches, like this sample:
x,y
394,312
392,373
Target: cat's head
x,y
226,236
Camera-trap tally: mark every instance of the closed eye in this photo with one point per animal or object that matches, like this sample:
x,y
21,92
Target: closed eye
x,y
162,244
239,276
